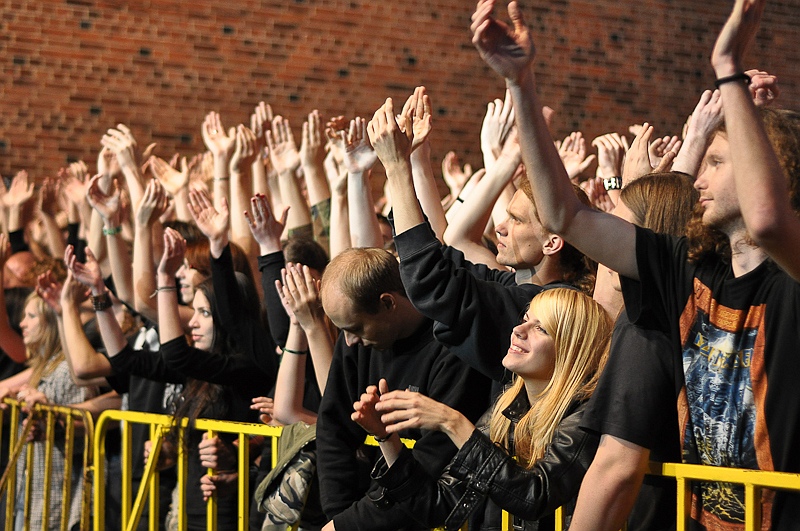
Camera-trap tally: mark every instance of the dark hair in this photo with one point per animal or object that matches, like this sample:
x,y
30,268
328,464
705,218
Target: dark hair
x,y
662,202
15,306
783,130
306,252
188,231
198,254
362,275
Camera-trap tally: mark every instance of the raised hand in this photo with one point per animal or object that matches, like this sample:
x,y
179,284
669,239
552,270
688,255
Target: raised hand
x,y
364,413
573,154
660,147
736,36
49,289
260,121
121,143
88,274
212,223
265,228
302,295
107,205
20,191
154,203
48,198
172,179
597,194
221,145
312,146
174,250
336,133
244,152
391,144
497,124
359,157
283,152
73,187
610,155
509,50
763,87
637,160
107,163
417,112
454,176
73,292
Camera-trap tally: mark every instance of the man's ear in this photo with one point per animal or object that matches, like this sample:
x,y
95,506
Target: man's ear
x,y
553,244
388,301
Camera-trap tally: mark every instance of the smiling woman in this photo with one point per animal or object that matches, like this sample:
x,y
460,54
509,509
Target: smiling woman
x,y
557,354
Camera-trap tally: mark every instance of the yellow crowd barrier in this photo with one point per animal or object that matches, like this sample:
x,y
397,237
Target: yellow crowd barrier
x,y
133,503
74,421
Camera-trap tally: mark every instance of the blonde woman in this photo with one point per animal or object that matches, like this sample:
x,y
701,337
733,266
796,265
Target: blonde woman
x,y
556,354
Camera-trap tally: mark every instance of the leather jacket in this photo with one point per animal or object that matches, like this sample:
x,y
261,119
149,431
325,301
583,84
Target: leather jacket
x,y
482,469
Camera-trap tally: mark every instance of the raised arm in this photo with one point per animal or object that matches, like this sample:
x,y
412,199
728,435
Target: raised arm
x,y
175,182
48,210
701,126
286,160
221,146
154,203
170,325
359,158
122,143
761,183
242,186
509,50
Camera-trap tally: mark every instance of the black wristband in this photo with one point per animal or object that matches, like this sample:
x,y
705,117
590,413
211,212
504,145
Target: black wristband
x,y
101,302
741,76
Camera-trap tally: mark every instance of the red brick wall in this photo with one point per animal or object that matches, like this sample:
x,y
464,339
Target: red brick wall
x,y
71,69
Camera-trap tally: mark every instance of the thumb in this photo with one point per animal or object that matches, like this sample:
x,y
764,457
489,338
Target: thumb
x,y
515,14
383,387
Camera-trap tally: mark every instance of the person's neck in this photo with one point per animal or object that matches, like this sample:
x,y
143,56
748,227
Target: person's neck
x,y
745,256
534,388
409,319
544,272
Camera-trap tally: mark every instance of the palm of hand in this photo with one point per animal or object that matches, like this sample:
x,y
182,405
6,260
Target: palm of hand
x,y
212,223
173,180
18,194
359,157
506,50
285,157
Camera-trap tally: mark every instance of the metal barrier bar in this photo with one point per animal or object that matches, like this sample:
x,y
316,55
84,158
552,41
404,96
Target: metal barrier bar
x,y
18,441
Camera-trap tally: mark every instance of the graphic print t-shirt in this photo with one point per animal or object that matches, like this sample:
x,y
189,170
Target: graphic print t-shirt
x,y
739,342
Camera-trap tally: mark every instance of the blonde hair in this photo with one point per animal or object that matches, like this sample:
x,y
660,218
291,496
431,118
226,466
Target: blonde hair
x,y
44,353
581,332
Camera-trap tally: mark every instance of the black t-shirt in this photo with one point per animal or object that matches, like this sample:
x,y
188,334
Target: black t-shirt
x,y
635,400
738,341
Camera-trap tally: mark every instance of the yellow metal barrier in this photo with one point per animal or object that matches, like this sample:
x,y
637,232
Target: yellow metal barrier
x,y
132,508
17,441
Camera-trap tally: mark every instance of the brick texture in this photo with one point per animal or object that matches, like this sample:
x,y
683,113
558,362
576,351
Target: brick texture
x,y
71,69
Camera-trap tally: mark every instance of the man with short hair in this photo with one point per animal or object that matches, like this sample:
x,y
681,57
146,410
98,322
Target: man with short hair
x,y
382,336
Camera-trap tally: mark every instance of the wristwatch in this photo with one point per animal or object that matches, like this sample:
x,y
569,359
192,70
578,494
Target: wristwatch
x,y
612,183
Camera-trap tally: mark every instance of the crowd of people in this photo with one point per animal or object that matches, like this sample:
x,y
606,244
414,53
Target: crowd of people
x,y
541,333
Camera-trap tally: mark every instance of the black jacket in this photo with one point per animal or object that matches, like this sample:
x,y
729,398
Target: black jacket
x,y
481,469
417,362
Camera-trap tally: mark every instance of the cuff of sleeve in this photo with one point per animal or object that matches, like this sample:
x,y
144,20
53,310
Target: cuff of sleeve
x,y
477,462
415,240
400,479
17,240
271,259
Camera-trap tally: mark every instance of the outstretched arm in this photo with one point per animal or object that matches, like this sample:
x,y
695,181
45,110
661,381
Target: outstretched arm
x,y
509,50
761,183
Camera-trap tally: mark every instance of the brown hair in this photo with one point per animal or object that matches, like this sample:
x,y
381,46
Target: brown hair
x,y
662,202
362,275
45,354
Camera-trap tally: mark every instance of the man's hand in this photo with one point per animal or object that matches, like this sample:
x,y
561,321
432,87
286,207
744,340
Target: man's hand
x,y
364,413
283,152
312,147
509,50
244,152
659,148
73,292
391,144
265,407
497,124
637,160
417,114
217,142
154,203
107,164
359,157
611,149
573,154
736,36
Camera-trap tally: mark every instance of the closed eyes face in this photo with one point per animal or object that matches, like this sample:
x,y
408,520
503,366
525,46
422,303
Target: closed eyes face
x,y
202,322
532,352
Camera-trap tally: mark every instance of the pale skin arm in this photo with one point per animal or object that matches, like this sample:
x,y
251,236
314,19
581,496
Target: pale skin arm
x,y
286,160
221,146
170,324
241,186
703,123
259,122
610,486
154,203
48,209
121,142
288,402
760,181
312,157
340,214
509,51
10,341
359,157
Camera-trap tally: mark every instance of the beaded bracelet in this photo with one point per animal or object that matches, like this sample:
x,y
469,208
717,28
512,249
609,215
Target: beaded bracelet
x,y
113,231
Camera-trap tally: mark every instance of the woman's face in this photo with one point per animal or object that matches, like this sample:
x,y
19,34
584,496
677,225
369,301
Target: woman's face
x,y
189,278
31,324
532,353
202,323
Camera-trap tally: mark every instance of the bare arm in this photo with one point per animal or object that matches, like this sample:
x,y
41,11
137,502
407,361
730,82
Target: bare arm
x,y
761,183
241,186
170,324
340,215
221,146
611,485
509,51
288,402
85,362
286,160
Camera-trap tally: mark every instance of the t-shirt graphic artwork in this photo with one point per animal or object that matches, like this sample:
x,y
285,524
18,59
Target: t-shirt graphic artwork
x,y
720,424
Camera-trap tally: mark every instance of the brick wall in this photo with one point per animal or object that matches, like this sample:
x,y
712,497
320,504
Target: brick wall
x,y
71,69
